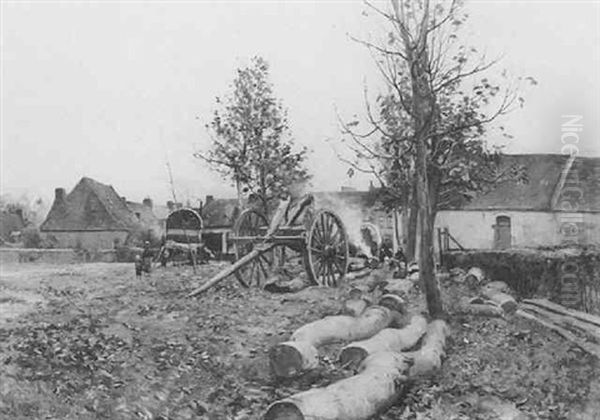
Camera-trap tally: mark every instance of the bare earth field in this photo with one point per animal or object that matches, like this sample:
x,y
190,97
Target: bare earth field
x,y
92,342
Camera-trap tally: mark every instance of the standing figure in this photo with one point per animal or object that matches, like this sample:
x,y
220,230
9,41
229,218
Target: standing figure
x,y
147,257
138,266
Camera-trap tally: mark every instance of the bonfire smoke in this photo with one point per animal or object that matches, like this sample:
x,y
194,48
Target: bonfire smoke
x,y
352,217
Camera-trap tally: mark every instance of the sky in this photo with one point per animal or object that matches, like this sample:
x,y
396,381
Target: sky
x,y
115,89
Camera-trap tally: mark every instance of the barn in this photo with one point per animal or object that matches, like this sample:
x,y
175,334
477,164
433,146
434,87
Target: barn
x,y
94,216
558,204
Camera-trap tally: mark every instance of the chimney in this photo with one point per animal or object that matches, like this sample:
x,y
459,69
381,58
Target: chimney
x,y
147,202
124,198
209,199
170,205
59,195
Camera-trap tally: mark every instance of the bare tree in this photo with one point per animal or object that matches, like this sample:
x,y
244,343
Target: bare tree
x,y
427,141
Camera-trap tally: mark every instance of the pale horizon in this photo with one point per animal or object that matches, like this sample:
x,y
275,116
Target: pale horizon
x,y
109,90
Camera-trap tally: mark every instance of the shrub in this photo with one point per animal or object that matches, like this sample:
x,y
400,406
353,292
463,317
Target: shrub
x,y
32,238
540,273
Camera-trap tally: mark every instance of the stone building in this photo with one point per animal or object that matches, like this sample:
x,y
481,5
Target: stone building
x,y
559,203
94,216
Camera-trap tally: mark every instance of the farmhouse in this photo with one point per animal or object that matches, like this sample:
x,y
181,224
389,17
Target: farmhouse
x,y
559,204
219,216
94,216
12,224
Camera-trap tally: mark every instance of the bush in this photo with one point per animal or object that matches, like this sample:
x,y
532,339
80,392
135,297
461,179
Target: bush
x,y
539,273
32,238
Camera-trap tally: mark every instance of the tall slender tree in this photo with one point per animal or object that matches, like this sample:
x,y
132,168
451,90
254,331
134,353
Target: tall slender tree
x,y
251,140
441,108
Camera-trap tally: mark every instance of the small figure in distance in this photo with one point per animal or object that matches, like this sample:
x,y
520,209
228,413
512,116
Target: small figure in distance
x,y
138,266
147,257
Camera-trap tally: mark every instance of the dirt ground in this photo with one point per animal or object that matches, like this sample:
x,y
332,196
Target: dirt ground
x,y
93,342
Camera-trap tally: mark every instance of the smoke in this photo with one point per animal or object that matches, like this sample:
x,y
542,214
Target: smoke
x,y
352,216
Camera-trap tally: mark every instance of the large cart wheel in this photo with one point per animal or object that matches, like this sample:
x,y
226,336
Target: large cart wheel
x,y
252,224
326,249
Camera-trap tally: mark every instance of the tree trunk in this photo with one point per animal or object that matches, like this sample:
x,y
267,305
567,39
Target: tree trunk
x,y
297,355
238,189
386,340
426,262
413,215
423,116
372,390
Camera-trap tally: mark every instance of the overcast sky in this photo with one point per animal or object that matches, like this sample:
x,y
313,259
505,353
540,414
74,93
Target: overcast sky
x,y
109,89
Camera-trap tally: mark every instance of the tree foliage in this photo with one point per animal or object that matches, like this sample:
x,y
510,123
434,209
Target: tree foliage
x,y
463,104
251,141
425,142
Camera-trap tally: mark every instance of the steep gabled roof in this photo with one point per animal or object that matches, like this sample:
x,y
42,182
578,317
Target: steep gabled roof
x,y
579,186
547,177
90,206
542,172
146,214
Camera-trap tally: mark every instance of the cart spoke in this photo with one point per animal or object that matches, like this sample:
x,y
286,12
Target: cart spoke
x,y
262,269
318,251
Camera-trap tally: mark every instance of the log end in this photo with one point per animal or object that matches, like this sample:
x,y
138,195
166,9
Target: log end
x,y
354,307
509,307
352,356
292,358
393,302
283,410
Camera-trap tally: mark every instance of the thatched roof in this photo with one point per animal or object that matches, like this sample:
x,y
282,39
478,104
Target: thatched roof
x,y
548,177
90,206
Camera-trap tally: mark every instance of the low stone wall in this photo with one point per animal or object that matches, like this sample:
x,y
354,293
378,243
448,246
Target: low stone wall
x,y
55,256
569,276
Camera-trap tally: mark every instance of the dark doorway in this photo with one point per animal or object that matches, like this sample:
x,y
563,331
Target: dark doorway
x,y
502,233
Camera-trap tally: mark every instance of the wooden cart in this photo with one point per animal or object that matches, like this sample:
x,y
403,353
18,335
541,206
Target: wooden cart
x,y
319,237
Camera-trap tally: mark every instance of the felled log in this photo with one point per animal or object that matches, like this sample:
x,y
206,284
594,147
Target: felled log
x,y
475,275
290,286
393,302
386,340
498,286
357,264
428,358
591,348
505,301
479,307
554,307
354,307
372,390
358,274
400,287
565,321
232,268
291,358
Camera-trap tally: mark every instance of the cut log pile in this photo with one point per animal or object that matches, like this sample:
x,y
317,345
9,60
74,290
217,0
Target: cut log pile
x,y
382,374
494,298
300,354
